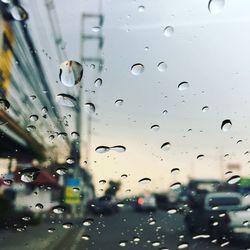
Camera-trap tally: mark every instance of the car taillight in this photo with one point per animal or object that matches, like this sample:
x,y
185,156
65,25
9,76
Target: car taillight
x,y
140,201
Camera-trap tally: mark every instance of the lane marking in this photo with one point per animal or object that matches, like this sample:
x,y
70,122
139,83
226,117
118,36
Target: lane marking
x,y
78,239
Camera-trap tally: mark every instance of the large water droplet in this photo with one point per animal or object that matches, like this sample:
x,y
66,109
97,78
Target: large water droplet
x,y
166,146
144,180
175,185
123,243
58,209
156,243
67,225
216,6
98,82
66,100
168,31
141,8
200,157
88,222
31,128
89,107
61,171
29,174
51,230
183,86
175,170
96,29
18,13
182,245
234,179
39,206
155,127
226,125
119,102
70,73
137,69
102,182
75,135
70,160
162,66
85,237
102,149
4,105
118,148
34,118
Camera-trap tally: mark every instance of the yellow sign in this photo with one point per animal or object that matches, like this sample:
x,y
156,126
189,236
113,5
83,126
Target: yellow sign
x,y
6,55
71,196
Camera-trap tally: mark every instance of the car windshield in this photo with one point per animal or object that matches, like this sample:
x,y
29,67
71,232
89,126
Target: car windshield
x,y
119,118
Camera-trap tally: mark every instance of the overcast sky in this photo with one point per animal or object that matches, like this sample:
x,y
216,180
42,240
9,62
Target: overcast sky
x,y
209,51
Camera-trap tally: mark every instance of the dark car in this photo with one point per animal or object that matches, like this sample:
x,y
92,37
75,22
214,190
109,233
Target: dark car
x,y
209,214
103,205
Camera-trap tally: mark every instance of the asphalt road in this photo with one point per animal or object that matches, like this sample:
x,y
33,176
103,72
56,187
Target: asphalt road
x,y
124,230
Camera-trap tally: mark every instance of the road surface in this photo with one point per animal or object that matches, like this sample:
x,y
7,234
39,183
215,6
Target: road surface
x,y
124,230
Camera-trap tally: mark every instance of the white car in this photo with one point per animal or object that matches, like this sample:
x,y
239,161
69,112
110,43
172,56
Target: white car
x,y
239,226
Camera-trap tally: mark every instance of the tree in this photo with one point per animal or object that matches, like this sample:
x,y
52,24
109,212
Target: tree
x,y
113,188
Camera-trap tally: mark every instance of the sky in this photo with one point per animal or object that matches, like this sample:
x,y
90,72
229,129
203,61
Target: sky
x,y
209,51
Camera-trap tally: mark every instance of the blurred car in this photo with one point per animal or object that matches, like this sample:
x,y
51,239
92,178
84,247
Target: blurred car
x,y
239,225
146,202
104,205
210,215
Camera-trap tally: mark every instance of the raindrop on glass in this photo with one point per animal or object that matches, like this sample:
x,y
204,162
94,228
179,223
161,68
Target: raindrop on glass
x,y
39,206
34,118
234,179
166,146
88,222
141,8
29,174
226,125
89,107
183,86
4,105
18,13
168,31
124,176
66,100
162,66
70,73
85,237
98,82
144,180
118,148
137,69
123,243
31,128
200,157
61,171
175,170
205,109
216,6
58,209
155,127
102,149
70,160
67,225
175,185
182,245
119,102
102,182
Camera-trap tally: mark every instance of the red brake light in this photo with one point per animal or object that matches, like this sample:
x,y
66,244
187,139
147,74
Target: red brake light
x,y
140,201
